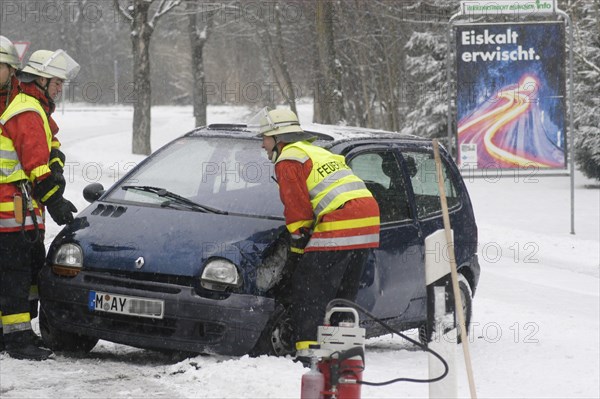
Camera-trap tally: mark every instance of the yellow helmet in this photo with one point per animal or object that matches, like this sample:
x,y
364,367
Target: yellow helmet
x,y
52,64
8,53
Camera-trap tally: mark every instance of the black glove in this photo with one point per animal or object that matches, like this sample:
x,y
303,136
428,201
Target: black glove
x,y
61,211
49,190
299,241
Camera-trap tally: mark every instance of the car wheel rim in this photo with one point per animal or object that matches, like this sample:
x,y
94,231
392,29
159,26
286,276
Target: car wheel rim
x,y
281,339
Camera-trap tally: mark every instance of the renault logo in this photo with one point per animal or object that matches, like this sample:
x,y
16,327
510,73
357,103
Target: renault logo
x,y
139,262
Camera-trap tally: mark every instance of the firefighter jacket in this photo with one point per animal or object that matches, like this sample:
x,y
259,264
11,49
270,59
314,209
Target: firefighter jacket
x,y
25,142
322,196
49,105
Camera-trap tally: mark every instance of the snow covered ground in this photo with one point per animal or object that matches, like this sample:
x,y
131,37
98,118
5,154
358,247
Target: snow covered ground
x,y
536,313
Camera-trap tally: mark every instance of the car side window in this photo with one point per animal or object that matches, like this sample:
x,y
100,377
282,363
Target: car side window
x,y
383,177
423,177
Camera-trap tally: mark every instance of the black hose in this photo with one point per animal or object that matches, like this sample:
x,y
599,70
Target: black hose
x,y
346,302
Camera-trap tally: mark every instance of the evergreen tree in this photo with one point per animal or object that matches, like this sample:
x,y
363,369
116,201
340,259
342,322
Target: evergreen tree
x,y
586,20
426,88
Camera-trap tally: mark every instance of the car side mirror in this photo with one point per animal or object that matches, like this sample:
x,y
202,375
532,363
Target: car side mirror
x,y
93,191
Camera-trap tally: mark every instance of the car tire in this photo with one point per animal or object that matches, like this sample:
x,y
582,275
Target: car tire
x,y
275,339
58,340
467,301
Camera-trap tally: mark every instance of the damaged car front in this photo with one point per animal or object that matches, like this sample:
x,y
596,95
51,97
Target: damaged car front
x,y
178,255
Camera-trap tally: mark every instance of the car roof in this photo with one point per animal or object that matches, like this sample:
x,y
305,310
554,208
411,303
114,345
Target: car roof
x,y
327,135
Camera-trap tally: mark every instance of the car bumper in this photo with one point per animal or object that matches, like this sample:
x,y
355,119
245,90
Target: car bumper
x,y
191,323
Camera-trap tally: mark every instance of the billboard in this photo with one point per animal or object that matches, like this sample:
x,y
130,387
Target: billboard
x,y
511,100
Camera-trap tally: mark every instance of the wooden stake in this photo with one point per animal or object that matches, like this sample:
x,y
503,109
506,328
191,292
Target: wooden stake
x,y
453,272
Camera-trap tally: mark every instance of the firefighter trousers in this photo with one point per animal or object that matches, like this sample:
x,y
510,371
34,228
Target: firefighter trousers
x,y
319,277
20,262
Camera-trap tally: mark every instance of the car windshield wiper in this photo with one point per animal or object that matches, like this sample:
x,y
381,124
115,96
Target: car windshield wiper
x,y
178,199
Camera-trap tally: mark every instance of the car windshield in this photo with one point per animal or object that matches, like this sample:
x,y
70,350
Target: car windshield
x,y
226,174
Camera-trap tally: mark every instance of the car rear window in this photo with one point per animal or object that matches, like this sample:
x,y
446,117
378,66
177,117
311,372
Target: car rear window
x,y
423,177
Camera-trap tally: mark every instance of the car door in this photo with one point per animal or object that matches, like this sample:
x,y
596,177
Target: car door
x,y
395,274
420,166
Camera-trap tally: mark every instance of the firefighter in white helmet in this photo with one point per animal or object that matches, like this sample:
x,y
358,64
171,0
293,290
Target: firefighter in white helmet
x,y
27,184
331,215
9,88
9,64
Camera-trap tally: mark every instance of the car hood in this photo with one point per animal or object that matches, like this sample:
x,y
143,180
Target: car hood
x,y
170,241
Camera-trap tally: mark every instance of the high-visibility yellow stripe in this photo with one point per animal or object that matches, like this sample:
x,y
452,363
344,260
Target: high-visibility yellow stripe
x,y
7,206
56,160
10,206
297,250
301,223
50,193
16,318
39,171
347,224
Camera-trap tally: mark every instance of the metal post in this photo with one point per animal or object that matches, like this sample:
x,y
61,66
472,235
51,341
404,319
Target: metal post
x,y
571,149
116,69
448,88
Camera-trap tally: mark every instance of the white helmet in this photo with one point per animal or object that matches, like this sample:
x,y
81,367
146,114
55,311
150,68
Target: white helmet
x,y
8,53
52,64
282,123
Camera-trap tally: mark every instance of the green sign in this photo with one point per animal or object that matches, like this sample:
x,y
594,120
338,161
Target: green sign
x,y
512,7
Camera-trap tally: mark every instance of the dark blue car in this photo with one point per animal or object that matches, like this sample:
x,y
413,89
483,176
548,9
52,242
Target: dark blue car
x,y
187,251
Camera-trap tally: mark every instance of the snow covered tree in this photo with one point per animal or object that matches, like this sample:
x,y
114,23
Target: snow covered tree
x,y
137,12
426,87
586,19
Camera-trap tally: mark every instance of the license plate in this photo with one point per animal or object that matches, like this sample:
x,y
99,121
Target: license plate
x,y
120,304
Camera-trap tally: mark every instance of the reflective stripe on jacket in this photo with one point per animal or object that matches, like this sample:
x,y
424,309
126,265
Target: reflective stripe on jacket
x,y
345,214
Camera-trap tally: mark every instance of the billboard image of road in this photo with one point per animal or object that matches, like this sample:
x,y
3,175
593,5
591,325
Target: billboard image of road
x,y
511,95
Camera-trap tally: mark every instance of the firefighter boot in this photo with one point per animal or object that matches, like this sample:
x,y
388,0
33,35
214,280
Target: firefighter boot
x,y
21,345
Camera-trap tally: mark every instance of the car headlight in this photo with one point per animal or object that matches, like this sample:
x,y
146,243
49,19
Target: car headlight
x,y
219,274
67,260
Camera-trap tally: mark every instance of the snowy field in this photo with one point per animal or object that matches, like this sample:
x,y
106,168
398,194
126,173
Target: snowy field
x,y
535,327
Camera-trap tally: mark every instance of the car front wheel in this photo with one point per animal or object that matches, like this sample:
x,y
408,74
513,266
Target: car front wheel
x,y
58,340
275,339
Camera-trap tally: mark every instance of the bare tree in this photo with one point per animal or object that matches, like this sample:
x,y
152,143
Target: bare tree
x,y
329,101
199,29
142,27
272,45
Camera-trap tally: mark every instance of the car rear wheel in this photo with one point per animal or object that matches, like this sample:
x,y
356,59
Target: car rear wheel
x,y
58,340
467,303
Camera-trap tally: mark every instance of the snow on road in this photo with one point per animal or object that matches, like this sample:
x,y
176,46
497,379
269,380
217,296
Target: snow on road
x,y
535,327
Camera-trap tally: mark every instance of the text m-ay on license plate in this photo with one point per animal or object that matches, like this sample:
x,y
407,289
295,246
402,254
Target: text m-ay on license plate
x,y
120,304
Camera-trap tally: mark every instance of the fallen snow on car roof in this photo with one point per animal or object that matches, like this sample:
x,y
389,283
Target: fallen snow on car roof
x,y
323,132
338,132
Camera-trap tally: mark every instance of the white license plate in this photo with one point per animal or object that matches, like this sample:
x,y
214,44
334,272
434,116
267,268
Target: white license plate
x,y
120,304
